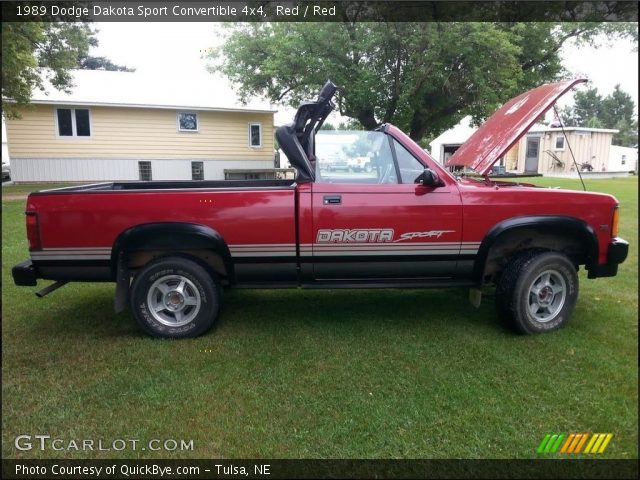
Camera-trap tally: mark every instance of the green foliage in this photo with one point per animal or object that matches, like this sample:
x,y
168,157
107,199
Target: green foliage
x,y
361,147
594,122
616,110
351,124
423,77
90,62
328,126
33,52
587,106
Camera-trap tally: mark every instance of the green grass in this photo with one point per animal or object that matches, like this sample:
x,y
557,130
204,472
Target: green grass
x,y
24,188
325,373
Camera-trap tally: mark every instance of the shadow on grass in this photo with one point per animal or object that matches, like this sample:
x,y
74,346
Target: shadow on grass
x,y
88,312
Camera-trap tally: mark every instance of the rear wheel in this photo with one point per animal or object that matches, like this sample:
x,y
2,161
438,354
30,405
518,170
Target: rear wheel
x,y
175,297
537,292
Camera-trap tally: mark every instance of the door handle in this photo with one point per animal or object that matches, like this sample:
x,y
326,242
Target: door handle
x,y
332,200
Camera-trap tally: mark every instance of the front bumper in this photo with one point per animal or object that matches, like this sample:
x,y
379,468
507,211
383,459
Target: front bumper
x,y
616,254
25,274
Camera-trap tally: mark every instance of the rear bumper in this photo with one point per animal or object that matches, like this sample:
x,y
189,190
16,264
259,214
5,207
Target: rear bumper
x,y
25,274
616,254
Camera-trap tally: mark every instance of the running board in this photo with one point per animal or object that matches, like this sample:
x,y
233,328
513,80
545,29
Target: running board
x,y
390,283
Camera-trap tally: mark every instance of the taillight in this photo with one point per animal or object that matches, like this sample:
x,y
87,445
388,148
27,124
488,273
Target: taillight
x,y
615,221
33,232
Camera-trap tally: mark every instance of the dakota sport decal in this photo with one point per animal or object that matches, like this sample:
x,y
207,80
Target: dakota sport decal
x,y
384,235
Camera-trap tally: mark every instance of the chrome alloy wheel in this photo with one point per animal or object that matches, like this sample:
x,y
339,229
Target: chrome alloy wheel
x,y
547,295
174,300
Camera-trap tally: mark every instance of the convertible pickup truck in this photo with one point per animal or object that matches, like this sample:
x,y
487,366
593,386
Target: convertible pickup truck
x,y
405,222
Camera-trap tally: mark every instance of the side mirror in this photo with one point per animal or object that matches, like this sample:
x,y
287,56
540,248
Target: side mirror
x,y
428,178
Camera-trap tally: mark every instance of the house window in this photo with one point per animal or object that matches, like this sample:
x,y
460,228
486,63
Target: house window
x,y
197,171
559,142
188,122
144,171
623,160
255,135
73,122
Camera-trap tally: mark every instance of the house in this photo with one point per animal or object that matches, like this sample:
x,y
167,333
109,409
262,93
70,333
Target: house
x,y
544,150
5,145
123,126
623,159
443,146
550,151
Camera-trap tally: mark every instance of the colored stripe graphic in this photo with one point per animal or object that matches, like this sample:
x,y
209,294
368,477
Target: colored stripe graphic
x,y
543,443
590,444
550,444
574,442
567,443
557,444
598,442
579,446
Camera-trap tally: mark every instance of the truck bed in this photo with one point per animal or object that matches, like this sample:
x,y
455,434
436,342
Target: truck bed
x,y
172,185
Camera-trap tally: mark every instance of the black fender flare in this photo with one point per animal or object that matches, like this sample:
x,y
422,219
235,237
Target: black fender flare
x,y
171,236
555,223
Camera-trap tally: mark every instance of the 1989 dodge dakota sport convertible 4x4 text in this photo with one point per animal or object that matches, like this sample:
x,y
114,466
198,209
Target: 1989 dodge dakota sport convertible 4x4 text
x,y
170,246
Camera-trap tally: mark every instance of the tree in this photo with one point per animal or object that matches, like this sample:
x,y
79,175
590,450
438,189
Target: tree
x,y
616,110
90,62
587,107
328,126
423,77
33,52
617,106
351,124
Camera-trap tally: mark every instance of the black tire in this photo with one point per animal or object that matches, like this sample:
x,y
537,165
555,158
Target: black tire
x,y
537,292
189,294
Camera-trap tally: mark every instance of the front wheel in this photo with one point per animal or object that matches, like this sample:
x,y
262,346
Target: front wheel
x,y
537,292
175,297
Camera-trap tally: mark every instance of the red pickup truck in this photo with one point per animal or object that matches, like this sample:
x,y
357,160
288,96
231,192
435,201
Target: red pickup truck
x,y
405,222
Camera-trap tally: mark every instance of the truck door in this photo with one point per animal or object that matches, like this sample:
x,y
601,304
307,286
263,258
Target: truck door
x,y
372,221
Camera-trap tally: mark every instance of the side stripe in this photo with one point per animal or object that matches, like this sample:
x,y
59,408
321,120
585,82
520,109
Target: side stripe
x,y
288,250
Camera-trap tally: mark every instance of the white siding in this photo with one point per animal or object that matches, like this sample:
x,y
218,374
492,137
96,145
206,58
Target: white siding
x,y
588,146
84,170
215,169
5,146
616,154
454,136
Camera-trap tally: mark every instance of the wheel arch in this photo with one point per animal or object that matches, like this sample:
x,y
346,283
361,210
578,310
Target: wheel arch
x,y
540,231
171,237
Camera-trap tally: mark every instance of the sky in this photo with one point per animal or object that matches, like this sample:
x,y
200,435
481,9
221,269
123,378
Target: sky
x,y
175,51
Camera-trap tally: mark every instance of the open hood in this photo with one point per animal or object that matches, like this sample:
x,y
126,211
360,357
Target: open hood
x,y
505,127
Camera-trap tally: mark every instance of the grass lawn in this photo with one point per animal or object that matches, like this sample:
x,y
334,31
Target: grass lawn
x,y
322,373
25,188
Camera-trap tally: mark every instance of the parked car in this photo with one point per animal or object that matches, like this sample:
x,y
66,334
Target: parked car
x,y
6,171
360,164
170,246
336,164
